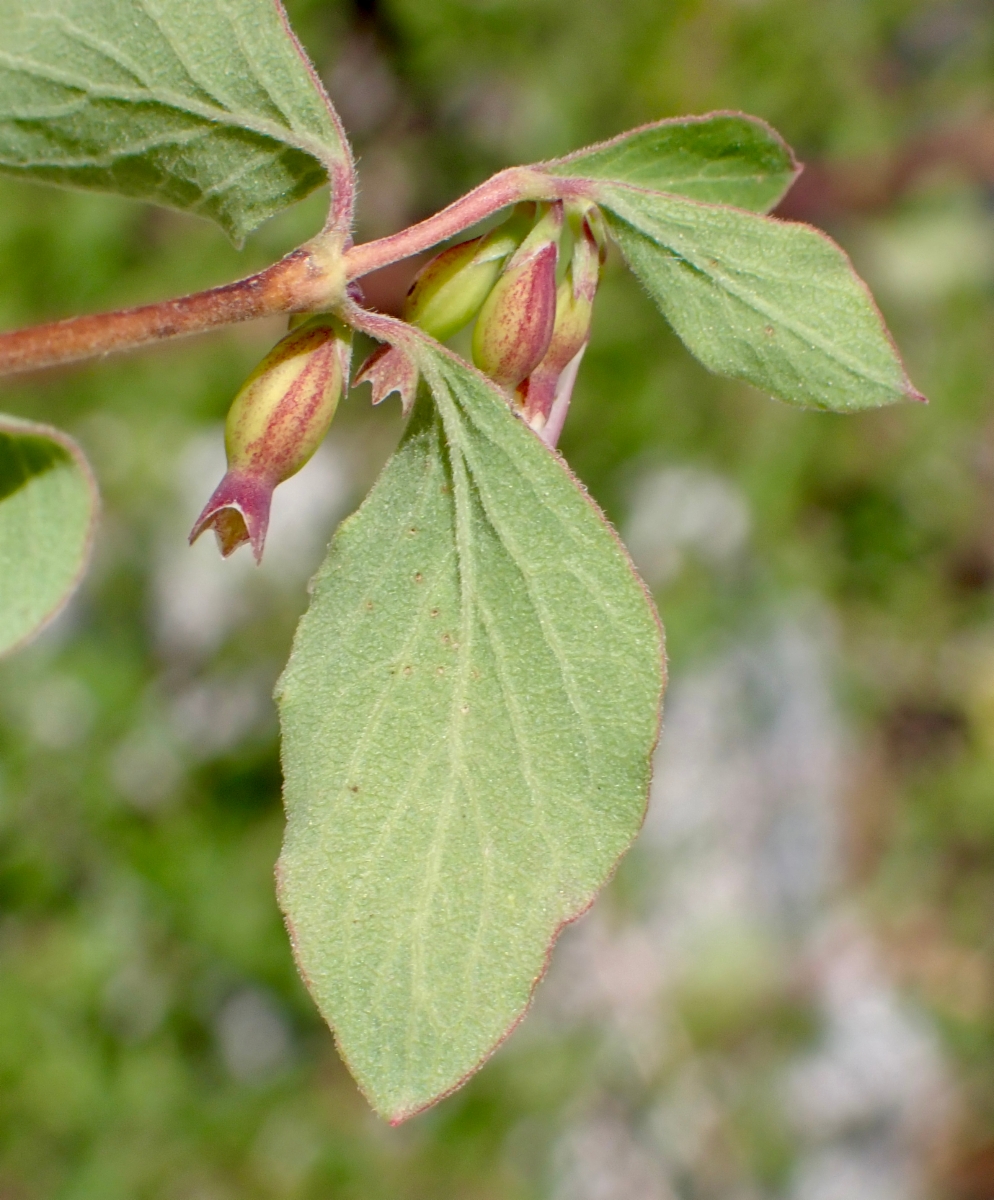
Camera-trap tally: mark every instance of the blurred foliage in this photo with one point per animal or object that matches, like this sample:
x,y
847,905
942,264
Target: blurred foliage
x,y
154,1038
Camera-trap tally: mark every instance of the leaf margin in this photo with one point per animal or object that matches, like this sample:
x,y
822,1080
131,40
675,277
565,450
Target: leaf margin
x,y
14,426
554,166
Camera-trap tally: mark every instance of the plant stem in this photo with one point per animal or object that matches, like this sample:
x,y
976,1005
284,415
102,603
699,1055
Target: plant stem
x,y
295,283
507,187
308,279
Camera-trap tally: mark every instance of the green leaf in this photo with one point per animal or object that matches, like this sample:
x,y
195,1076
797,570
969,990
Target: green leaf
x,y
721,158
209,106
771,302
48,504
468,717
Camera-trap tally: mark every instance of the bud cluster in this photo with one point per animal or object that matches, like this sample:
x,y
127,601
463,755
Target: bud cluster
x,y
544,395
531,330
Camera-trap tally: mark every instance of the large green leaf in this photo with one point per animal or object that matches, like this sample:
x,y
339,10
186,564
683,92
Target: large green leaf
x,y
468,716
205,105
48,502
771,302
721,158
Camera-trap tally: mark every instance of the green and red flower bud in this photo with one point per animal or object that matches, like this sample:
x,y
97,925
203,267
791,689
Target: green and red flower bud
x,y
275,424
515,324
545,395
449,290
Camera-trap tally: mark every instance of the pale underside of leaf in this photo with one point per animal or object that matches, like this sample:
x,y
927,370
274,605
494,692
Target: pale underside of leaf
x,y
48,504
468,717
719,158
204,105
774,303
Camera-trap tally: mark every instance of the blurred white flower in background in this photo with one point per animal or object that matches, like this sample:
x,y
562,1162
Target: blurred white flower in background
x,y
740,866
873,1094
919,257
600,1160
685,510
253,1035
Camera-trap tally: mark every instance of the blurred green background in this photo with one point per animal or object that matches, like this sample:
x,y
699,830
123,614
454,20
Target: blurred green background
x,y
788,990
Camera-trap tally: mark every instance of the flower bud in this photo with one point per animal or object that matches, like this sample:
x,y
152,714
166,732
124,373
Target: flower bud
x,y
275,424
515,324
449,289
538,394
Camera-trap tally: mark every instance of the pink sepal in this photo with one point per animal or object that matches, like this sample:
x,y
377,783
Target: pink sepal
x,y
390,369
238,512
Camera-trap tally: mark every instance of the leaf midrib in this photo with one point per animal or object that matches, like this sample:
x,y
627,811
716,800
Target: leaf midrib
x,y
683,179
453,419
389,687
464,568
548,634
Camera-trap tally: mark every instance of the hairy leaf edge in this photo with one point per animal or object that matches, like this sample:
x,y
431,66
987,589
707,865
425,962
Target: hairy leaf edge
x,y
335,165
695,119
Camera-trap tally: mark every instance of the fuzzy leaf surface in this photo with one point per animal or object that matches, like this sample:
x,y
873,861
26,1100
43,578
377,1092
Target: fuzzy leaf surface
x,y
48,503
771,302
721,158
468,718
203,105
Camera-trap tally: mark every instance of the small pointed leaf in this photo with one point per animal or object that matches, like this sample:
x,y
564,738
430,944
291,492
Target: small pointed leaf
x,y
771,302
209,106
720,158
48,503
468,716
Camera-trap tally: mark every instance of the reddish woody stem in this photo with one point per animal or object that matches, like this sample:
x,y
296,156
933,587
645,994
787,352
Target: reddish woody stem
x,y
507,187
283,287
309,279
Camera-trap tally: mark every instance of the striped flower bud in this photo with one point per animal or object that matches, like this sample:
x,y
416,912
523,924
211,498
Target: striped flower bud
x,y
275,424
544,396
449,290
515,324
